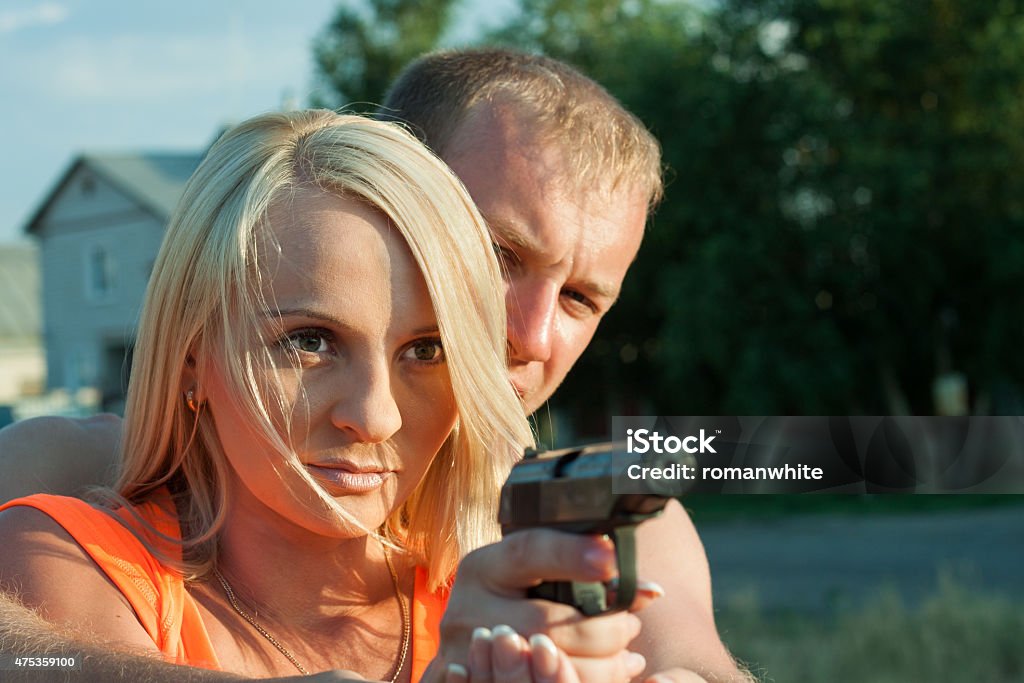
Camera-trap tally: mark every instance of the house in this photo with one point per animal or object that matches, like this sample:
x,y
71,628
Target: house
x,y
22,369
98,232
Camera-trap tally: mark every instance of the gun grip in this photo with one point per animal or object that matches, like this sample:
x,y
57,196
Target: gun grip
x,y
591,598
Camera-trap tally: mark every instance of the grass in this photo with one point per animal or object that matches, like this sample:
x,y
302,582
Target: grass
x,y
955,635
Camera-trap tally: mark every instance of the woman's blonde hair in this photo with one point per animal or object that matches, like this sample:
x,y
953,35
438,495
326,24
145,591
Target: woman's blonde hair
x,y
203,304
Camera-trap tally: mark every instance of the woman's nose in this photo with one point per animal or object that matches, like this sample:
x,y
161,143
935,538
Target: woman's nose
x,y
366,405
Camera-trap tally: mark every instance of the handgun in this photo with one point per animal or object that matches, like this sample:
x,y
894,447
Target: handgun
x,y
572,490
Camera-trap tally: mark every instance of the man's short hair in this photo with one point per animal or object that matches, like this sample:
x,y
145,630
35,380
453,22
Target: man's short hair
x,y
605,146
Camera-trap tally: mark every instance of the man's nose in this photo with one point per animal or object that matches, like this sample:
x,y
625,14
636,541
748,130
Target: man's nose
x,y
366,405
531,319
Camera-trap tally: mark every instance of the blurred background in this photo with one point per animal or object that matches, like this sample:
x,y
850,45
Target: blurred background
x,y
843,233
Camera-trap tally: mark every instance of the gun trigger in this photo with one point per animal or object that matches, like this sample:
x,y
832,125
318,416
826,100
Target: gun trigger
x,y
588,598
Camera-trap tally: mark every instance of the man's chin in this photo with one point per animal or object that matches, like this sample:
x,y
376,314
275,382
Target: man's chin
x,y
534,400
532,390
527,396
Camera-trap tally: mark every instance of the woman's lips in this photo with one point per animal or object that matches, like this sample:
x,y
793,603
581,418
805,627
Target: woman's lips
x,y
343,479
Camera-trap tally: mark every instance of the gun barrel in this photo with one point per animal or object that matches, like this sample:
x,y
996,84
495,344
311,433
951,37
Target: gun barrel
x,y
574,490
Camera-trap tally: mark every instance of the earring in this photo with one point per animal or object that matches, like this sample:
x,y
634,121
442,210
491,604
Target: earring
x,y
190,400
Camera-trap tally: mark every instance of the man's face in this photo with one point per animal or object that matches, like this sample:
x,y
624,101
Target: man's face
x,y
564,251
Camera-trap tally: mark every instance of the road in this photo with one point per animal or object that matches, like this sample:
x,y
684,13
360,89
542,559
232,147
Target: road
x,y
813,563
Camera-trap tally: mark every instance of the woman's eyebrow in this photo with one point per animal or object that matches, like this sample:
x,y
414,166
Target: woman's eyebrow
x,y
304,313
319,315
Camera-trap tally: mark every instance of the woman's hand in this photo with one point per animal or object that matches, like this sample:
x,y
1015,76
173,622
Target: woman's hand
x,y
678,676
503,656
491,588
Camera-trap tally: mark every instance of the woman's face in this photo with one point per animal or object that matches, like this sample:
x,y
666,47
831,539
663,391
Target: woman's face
x,y
368,396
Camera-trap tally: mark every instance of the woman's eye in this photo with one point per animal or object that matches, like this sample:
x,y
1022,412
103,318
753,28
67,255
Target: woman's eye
x,y
425,351
308,341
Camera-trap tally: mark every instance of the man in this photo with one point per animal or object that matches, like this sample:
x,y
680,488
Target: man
x,y
564,177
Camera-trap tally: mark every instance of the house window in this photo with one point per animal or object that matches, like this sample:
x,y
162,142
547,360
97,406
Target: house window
x,y
99,273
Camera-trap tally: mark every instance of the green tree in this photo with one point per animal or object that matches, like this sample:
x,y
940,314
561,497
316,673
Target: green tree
x,y
843,217
923,235
366,44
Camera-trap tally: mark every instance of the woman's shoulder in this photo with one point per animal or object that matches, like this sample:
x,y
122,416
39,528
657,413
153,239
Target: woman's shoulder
x,y
43,517
46,568
43,513
43,528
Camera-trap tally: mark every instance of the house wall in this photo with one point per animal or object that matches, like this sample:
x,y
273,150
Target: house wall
x,y
22,365
97,251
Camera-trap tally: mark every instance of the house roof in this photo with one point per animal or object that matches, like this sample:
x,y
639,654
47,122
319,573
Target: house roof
x,y
154,180
20,305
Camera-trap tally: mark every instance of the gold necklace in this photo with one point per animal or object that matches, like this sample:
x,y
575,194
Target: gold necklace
x,y
406,623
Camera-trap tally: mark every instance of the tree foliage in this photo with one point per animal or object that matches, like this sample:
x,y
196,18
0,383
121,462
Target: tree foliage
x,y
843,223
844,218
366,44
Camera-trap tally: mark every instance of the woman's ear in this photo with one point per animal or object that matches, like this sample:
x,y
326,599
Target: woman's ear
x,y
189,386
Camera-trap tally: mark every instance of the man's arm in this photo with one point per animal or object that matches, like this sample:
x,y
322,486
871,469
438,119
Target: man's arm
x,y
23,633
57,455
679,629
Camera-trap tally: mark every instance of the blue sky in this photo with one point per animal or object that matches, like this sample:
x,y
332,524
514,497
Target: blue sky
x,y
106,75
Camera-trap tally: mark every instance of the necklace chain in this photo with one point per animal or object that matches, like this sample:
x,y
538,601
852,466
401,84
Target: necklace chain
x,y
402,605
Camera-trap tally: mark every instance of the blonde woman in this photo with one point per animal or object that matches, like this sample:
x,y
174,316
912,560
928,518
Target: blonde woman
x,y
318,423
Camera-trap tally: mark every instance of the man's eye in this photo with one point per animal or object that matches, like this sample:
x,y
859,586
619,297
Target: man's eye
x,y
427,351
580,301
308,341
504,254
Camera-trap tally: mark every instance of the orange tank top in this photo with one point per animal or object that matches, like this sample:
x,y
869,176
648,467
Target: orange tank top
x,y
157,593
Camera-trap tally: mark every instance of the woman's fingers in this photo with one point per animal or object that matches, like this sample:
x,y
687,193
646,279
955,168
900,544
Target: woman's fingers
x,y
598,636
615,669
456,673
525,558
646,593
509,656
579,636
503,656
545,660
479,656
675,676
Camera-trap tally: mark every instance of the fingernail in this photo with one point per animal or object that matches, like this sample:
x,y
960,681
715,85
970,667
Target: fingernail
x,y
600,559
658,678
503,630
652,588
457,672
506,655
545,656
635,663
480,655
539,640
